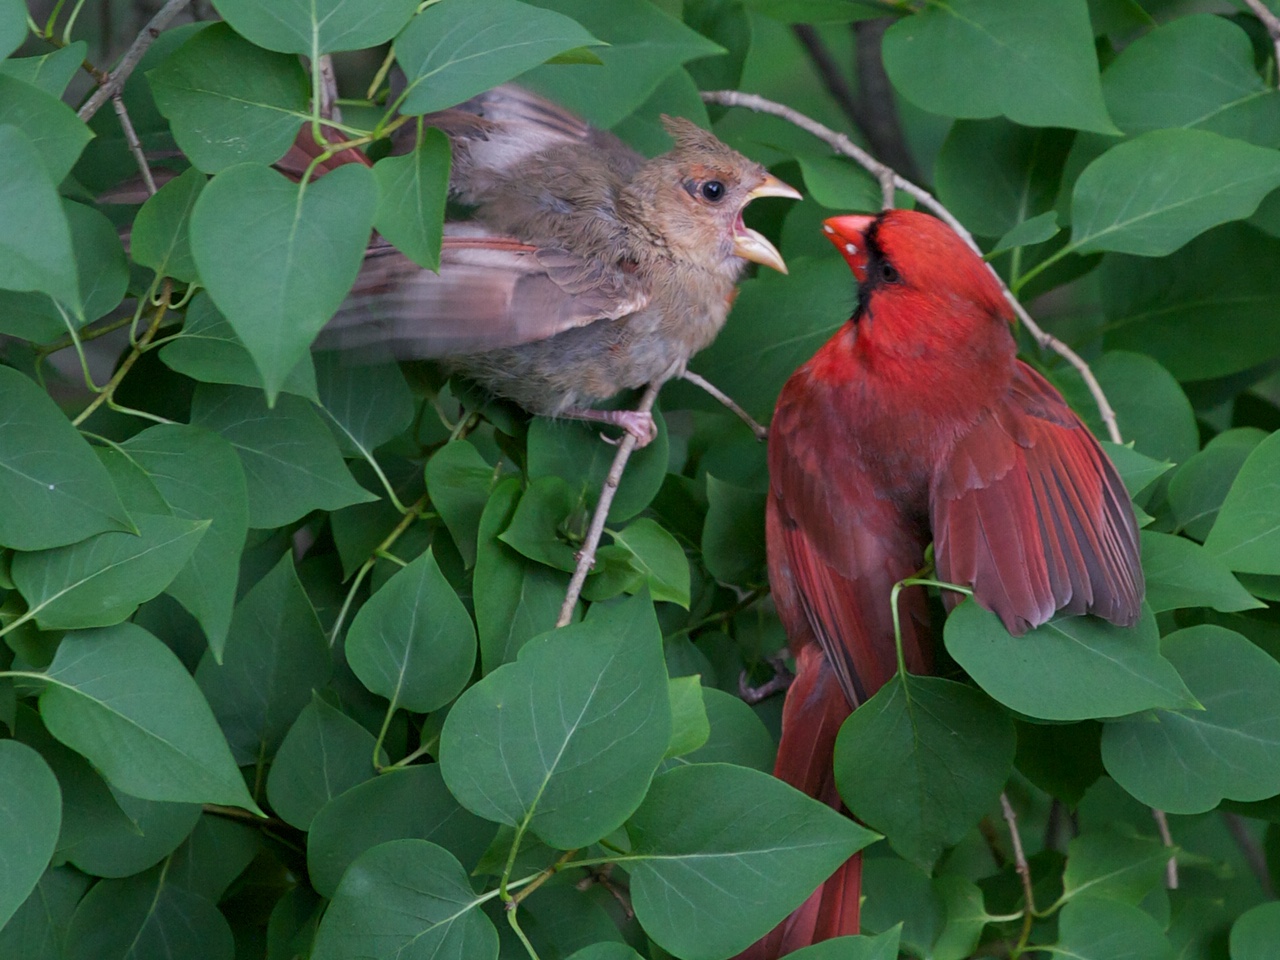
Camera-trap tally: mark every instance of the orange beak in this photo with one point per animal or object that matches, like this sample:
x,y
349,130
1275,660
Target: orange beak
x,y
849,235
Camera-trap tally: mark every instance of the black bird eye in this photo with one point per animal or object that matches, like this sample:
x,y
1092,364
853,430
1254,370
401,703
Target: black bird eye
x,y
713,190
887,273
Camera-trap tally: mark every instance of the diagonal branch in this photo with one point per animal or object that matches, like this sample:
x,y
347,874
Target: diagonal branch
x,y
889,178
1271,22
115,82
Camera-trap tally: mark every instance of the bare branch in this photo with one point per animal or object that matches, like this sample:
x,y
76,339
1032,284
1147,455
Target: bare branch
x,y
1272,23
135,146
115,82
761,433
1023,868
1171,868
1253,854
587,555
887,175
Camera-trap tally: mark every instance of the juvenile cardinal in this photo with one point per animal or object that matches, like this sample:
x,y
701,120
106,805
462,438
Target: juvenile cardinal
x,y
916,422
586,270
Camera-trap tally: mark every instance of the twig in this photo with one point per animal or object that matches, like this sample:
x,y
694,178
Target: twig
x,y
1170,868
329,108
587,555
108,392
115,82
1253,854
1020,862
135,146
762,433
1272,23
887,175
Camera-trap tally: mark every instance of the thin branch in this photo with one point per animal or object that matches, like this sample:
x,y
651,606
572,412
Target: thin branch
x,y
135,145
1253,854
1171,868
1272,23
1020,863
126,365
115,82
762,433
587,555
887,175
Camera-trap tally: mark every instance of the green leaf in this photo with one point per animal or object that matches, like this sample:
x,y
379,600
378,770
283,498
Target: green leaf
x,y
459,482
966,918
38,930
1152,194
35,252
409,899
122,699
899,895
1150,406
709,879
573,451
160,238
453,51
566,738
200,478
523,598
690,728
922,762
1196,492
1255,933
278,258
55,131
13,30
324,754
208,350
412,190
1186,761
30,816
1038,229
276,655
883,947
291,462
50,72
1194,71
102,580
1246,535
408,803
838,183
1137,470
659,557
605,951
539,525
368,405
733,534
214,855
228,101
146,917
996,175
1032,61
1205,311
1113,866
1073,668
413,641
55,490
1094,929
1061,759
737,734
646,45
1180,573
313,27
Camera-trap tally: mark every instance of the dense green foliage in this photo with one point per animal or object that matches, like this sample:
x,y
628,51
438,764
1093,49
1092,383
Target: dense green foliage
x,y
279,677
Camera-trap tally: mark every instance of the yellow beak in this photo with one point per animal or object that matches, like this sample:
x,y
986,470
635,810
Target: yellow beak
x,y
749,244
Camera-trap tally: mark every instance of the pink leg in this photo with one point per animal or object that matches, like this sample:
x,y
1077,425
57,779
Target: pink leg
x,y
639,425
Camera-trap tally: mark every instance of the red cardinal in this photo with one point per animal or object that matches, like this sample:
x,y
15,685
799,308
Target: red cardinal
x,y
916,422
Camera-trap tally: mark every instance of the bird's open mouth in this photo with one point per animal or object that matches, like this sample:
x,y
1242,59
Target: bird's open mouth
x,y
751,245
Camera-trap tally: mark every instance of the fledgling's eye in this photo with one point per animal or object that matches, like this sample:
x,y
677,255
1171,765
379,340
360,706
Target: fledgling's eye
x,y
713,190
887,273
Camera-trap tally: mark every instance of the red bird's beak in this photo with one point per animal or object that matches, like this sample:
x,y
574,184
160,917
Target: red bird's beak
x,y
849,235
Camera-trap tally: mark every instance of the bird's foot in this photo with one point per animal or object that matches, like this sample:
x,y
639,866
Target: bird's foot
x,y
639,425
782,678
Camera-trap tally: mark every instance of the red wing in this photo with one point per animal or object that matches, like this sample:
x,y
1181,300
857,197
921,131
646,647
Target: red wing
x,y
491,292
1030,511
836,550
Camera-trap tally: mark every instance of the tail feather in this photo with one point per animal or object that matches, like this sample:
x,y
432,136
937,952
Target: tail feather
x,y
814,710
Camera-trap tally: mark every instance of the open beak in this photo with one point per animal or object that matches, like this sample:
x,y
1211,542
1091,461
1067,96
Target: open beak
x,y
749,244
848,234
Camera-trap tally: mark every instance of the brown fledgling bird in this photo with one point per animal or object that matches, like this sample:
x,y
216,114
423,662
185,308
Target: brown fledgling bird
x,y
587,269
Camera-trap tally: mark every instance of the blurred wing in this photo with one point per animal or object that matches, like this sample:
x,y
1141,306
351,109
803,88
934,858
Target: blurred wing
x,y
836,550
491,292
1031,512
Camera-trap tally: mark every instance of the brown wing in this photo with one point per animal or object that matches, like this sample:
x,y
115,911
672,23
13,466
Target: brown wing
x,y
1031,512
491,291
